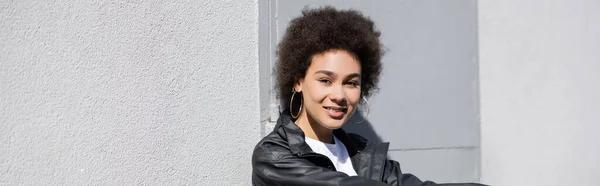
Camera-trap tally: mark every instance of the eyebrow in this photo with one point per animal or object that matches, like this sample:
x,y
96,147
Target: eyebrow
x,y
353,75
329,73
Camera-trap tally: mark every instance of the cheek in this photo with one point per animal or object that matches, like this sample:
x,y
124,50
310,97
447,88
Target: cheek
x,y
353,100
353,96
315,93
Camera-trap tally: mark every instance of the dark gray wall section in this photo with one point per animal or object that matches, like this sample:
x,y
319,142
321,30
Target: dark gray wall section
x,y
428,104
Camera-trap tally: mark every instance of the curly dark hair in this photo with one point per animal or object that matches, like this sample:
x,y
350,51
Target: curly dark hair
x,y
323,29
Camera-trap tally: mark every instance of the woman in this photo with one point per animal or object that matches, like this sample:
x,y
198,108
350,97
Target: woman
x,y
328,63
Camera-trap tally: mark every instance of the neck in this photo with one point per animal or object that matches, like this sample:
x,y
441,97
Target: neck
x,y
313,129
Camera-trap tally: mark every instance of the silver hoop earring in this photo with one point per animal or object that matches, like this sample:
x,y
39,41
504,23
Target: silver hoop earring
x,y
368,110
291,103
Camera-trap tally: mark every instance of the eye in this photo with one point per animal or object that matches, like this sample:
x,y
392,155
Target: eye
x,y
352,84
325,81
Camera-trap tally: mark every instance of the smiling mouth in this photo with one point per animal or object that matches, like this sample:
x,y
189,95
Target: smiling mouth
x,y
336,113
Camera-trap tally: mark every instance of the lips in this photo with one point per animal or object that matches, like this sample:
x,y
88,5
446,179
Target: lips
x,y
336,112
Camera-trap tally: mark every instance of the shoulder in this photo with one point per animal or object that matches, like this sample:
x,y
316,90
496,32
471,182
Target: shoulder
x,y
271,147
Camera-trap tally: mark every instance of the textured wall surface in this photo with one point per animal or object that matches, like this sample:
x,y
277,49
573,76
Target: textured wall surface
x,y
540,92
128,92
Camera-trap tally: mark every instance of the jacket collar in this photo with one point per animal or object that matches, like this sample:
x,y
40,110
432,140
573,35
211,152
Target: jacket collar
x,y
368,159
295,136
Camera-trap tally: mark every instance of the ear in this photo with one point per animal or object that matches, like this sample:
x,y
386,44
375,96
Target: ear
x,y
298,85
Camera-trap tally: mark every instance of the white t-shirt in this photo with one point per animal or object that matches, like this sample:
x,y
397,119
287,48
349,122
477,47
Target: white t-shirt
x,y
337,153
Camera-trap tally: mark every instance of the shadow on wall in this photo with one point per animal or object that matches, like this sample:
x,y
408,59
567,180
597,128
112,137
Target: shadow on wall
x,y
364,128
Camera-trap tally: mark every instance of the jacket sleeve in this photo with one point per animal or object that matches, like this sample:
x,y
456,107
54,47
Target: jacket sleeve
x,y
393,176
274,168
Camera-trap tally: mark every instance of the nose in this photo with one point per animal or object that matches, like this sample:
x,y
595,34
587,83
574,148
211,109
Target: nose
x,y
338,95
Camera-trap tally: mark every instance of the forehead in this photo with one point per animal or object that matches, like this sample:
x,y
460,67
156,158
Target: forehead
x,y
337,61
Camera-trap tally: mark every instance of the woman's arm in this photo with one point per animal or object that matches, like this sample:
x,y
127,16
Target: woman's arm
x,y
393,176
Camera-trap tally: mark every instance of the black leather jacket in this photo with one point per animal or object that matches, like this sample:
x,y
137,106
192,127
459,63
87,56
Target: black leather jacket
x,y
283,158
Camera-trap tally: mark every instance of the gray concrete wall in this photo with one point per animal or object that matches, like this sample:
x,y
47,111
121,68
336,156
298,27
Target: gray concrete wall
x,y
128,92
428,104
540,92
149,92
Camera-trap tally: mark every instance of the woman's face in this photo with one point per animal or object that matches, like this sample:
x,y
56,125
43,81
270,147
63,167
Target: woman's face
x,y
331,88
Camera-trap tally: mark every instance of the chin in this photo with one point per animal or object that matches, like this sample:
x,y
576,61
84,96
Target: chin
x,y
333,124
